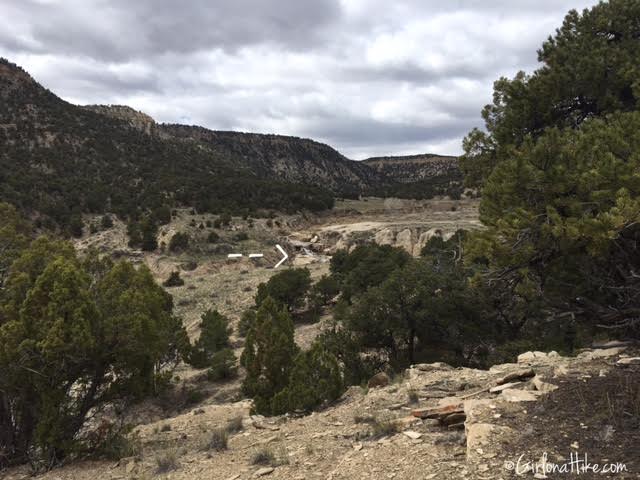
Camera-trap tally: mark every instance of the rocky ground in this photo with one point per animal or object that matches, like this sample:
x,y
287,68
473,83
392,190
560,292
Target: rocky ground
x,y
433,422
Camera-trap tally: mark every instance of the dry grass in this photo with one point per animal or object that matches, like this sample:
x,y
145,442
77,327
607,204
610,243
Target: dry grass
x,y
218,441
167,461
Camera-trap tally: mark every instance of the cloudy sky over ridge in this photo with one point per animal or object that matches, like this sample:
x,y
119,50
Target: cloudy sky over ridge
x,y
369,77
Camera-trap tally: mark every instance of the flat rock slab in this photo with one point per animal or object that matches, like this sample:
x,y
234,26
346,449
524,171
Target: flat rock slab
x,y
263,471
628,361
438,412
412,435
520,374
512,395
505,386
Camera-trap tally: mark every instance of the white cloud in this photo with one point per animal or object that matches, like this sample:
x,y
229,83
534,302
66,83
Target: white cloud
x,y
370,77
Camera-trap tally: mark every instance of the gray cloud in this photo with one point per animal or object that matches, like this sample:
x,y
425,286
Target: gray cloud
x,y
370,77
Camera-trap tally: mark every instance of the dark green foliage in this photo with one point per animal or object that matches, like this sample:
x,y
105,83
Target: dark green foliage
x,y
288,287
324,290
76,226
143,234
162,215
174,280
149,232
268,356
365,266
314,380
443,251
179,242
98,162
76,336
417,306
589,69
241,236
225,219
213,237
345,346
559,169
222,365
214,336
247,320
14,237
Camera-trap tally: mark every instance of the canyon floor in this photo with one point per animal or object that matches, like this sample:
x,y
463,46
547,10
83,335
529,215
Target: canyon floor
x,y
431,422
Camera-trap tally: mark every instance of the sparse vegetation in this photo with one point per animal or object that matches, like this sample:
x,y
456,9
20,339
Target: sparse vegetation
x,y
269,457
218,440
167,461
174,280
234,425
383,428
179,242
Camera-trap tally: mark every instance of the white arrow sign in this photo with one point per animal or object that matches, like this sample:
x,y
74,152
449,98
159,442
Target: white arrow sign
x,y
284,258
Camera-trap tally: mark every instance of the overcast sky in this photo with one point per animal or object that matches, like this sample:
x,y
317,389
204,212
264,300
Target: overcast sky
x,y
369,77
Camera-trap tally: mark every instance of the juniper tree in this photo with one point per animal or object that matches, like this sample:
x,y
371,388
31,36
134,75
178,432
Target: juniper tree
x,y
214,337
268,355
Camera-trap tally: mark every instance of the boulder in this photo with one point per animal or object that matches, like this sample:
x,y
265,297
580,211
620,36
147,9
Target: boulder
x,y
380,379
432,367
601,354
520,374
530,357
628,361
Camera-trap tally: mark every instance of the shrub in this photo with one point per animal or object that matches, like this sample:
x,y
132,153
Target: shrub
x,y
383,428
106,222
314,380
76,226
117,320
219,440
179,242
162,215
174,280
264,456
225,219
167,462
213,237
234,425
223,365
288,287
241,236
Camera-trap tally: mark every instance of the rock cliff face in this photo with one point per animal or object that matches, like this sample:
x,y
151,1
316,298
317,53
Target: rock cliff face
x,y
414,168
134,118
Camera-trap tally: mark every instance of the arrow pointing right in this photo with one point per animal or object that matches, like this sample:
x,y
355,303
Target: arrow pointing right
x,y
284,258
